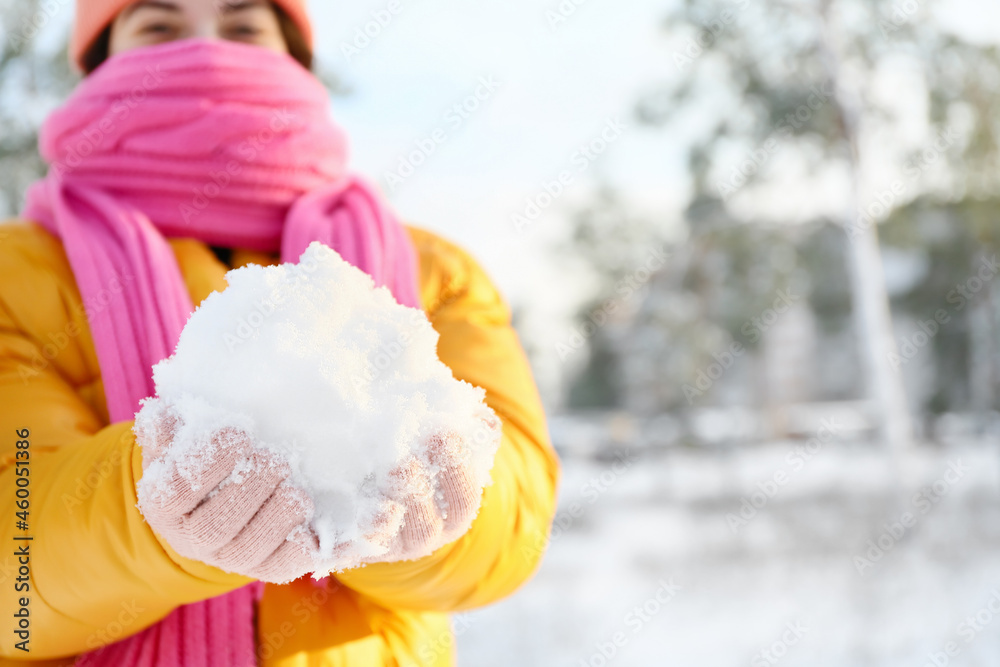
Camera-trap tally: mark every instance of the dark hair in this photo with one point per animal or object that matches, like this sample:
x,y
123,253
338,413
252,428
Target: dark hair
x,y
297,46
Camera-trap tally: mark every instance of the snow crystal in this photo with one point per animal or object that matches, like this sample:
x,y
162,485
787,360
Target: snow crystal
x,y
332,374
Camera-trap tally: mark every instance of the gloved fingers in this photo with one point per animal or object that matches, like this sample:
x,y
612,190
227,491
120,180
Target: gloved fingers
x,y
155,428
422,526
221,517
287,508
383,528
291,560
181,493
422,522
457,497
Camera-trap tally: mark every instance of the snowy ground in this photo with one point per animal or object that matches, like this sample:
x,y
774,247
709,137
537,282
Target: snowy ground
x,y
787,582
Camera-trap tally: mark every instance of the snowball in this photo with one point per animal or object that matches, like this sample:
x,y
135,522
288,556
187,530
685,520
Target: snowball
x,y
332,374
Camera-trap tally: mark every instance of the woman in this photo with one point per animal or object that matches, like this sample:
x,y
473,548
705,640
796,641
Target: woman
x,y
199,142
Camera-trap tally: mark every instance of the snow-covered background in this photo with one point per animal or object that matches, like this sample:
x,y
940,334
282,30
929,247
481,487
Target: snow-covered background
x,y
663,519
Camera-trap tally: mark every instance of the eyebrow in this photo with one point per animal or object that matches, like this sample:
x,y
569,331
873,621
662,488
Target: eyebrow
x,y
229,6
157,4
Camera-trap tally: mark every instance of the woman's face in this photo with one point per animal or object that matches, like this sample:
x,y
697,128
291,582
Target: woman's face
x,y
149,22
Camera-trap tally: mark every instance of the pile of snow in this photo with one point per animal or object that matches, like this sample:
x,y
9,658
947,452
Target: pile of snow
x,y
331,373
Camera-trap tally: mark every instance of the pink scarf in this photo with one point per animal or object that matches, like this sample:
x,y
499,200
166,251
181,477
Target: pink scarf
x,y
227,143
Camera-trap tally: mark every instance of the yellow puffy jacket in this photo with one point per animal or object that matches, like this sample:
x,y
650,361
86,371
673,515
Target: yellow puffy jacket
x,y
97,572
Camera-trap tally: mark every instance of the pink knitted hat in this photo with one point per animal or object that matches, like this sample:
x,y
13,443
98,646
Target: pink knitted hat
x,y
92,16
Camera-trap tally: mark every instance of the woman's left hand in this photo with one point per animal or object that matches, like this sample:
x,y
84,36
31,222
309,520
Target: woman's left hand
x,y
436,508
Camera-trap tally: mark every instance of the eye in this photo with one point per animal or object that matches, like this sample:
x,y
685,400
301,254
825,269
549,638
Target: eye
x,y
155,29
246,30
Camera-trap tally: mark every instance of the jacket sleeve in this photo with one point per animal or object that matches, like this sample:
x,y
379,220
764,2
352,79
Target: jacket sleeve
x,y
507,539
95,571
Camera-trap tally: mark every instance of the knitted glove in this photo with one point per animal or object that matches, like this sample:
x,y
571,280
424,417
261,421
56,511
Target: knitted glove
x,y
232,506
438,500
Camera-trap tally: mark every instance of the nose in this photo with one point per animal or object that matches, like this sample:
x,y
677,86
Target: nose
x,y
205,30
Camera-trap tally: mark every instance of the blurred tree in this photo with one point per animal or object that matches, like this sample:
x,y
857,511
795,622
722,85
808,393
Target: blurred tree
x,y
715,283
610,258
952,299
871,100
32,82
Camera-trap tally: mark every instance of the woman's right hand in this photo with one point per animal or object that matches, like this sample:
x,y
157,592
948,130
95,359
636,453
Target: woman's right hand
x,y
257,526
